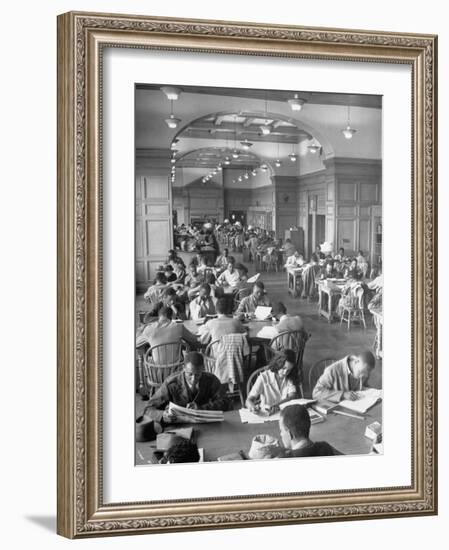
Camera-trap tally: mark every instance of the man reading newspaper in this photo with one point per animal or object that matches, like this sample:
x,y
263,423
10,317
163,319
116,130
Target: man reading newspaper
x,y
192,388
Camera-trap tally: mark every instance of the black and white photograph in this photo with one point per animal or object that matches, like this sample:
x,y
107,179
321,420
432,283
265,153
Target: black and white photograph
x,y
258,271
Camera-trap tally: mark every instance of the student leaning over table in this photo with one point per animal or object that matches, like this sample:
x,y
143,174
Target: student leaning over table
x,y
222,325
203,304
343,378
249,304
278,383
192,388
294,426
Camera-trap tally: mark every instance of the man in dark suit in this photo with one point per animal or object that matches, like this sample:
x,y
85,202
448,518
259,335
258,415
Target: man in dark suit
x,y
294,426
192,388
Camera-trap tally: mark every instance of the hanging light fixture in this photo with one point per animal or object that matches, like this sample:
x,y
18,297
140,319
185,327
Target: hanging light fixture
x,y
240,178
246,144
278,163
348,132
293,156
171,92
263,167
219,167
296,103
314,147
254,172
235,153
246,175
172,122
227,161
173,143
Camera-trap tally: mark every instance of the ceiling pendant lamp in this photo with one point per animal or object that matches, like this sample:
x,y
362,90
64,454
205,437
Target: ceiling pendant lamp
x,y
314,147
171,92
172,122
348,132
263,167
246,145
296,103
277,162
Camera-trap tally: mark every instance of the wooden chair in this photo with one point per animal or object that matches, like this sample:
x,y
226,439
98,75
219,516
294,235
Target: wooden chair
x,y
351,309
293,339
242,293
252,378
316,371
160,362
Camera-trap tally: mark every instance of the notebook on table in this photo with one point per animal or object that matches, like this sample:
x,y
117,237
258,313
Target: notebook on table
x,y
366,399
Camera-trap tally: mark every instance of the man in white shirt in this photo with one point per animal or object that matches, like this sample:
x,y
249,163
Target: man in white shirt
x,y
202,305
344,378
286,322
230,277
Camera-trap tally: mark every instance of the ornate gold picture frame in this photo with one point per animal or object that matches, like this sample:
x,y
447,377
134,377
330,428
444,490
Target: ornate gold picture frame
x,y
82,38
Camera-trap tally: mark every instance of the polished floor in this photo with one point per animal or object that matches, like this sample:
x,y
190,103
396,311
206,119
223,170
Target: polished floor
x,y
328,340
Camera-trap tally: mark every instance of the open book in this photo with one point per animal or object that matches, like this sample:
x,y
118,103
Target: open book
x,y
194,416
367,399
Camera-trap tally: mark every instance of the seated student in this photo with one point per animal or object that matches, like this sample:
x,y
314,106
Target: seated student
x,y
286,322
278,383
169,273
308,277
192,388
340,257
230,277
318,252
344,377
193,281
154,292
222,260
164,331
292,261
329,271
203,304
289,247
352,271
173,258
243,273
202,266
170,300
294,426
179,271
258,298
214,329
180,452
362,264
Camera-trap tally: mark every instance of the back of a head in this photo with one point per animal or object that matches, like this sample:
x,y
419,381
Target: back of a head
x,y
166,312
222,306
259,285
195,358
161,278
169,292
279,309
368,358
296,420
314,258
184,451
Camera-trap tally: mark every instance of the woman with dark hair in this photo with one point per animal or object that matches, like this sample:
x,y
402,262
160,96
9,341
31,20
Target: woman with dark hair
x,y
279,382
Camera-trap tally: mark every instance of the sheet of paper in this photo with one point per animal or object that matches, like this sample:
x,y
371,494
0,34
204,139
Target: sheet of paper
x,y
248,417
267,332
367,398
254,278
262,312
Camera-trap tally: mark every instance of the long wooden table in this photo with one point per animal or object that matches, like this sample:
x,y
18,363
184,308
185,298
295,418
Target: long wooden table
x,y
231,436
253,327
